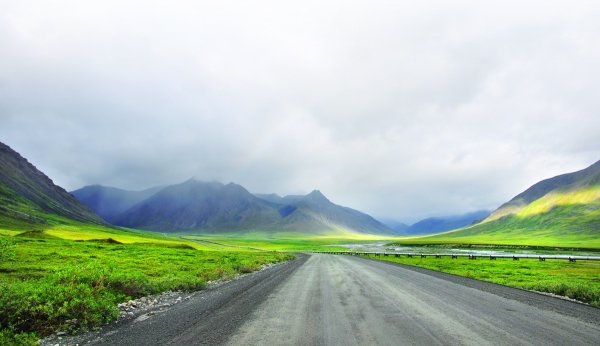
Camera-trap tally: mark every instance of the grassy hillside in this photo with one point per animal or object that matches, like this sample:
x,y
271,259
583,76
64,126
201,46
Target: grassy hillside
x,y
571,182
61,228
28,195
568,219
562,212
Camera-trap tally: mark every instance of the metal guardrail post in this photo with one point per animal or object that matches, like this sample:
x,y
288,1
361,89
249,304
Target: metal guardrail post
x,y
515,257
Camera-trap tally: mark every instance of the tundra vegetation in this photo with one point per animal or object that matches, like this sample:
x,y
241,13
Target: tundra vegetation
x,y
50,284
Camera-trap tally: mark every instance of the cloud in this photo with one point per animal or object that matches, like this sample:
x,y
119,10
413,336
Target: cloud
x,y
399,109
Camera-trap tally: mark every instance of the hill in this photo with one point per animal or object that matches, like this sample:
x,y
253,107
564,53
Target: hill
x,y
445,223
29,197
196,205
562,211
110,202
314,212
214,207
398,227
570,184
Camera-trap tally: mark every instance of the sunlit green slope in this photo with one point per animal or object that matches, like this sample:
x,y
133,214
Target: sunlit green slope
x,y
563,211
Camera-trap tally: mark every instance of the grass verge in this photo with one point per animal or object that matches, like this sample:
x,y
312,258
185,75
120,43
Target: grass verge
x,y
52,284
579,280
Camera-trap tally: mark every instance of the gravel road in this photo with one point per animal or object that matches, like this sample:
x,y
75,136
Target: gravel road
x,y
344,300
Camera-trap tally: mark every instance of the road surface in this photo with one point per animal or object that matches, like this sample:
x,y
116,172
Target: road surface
x,y
345,300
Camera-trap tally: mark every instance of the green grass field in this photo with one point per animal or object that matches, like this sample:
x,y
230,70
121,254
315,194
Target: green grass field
x,y
283,241
579,280
48,282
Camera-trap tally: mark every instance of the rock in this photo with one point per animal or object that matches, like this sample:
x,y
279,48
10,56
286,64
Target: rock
x,y
61,334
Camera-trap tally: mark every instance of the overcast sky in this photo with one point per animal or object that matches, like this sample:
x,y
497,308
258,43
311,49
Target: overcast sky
x,y
399,109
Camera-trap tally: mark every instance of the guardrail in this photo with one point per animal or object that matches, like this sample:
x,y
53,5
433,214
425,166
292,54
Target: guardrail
x,y
515,257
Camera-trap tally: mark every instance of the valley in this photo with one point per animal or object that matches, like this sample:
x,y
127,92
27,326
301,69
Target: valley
x,y
299,173
325,299
68,261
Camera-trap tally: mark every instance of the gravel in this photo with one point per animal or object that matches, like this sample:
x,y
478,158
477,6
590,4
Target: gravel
x,y
137,310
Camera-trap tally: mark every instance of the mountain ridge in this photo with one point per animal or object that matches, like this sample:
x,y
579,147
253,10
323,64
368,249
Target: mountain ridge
x,y
439,224
560,183
108,201
25,192
215,207
564,211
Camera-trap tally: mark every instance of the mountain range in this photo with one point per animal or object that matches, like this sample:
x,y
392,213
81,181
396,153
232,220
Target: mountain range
x,y
216,207
29,197
439,224
562,210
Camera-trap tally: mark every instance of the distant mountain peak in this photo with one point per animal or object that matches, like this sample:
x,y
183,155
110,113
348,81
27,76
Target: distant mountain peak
x,y
196,182
316,196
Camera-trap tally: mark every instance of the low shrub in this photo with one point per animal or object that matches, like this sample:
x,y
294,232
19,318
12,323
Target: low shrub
x,y
9,337
71,286
7,249
70,300
577,291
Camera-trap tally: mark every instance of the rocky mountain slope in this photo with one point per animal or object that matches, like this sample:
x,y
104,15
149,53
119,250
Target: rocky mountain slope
x,y
29,196
214,207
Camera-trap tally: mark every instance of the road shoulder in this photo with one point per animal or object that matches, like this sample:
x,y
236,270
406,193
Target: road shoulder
x,y
584,312
227,304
